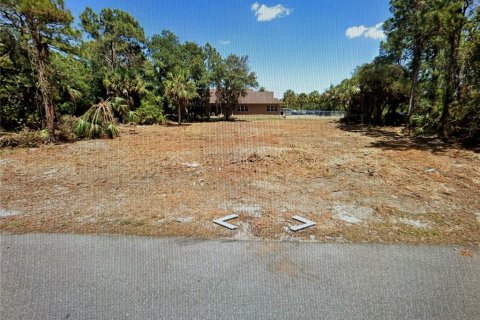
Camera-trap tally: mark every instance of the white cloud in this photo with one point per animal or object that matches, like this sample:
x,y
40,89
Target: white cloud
x,y
224,42
374,32
266,13
355,31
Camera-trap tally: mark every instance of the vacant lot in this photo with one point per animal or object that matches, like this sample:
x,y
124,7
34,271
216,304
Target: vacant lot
x,y
356,184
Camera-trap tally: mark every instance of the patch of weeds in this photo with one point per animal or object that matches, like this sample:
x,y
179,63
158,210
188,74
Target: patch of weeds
x,y
139,223
126,222
15,224
438,218
25,138
419,233
133,222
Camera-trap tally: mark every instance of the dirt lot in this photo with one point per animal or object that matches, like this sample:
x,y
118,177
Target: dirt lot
x,y
356,184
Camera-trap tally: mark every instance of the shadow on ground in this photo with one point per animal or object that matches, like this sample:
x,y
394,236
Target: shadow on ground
x,y
392,138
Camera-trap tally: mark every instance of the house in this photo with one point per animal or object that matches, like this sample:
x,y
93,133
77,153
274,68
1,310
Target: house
x,y
255,102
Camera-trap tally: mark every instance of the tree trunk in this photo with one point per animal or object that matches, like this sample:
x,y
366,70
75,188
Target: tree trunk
x,y
113,55
451,78
448,93
179,114
40,61
46,97
228,112
432,95
417,53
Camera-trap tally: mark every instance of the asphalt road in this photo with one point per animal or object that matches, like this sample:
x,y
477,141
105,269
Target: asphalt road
x,y
57,276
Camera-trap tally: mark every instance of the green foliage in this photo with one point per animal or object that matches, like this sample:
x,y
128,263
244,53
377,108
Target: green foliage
x,y
235,78
428,70
149,114
109,73
44,134
150,111
117,60
119,107
97,122
302,100
18,89
181,90
118,37
424,124
170,56
72,79
433,40
289,98
331,99
126,84
24,138
40,25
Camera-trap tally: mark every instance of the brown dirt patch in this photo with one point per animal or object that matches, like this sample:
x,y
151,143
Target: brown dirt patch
x,y
357,184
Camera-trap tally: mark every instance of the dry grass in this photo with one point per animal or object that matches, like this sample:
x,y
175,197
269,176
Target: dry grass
x,y
357,184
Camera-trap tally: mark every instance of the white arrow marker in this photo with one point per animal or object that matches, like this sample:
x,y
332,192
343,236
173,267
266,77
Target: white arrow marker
x,y
306,223
222,222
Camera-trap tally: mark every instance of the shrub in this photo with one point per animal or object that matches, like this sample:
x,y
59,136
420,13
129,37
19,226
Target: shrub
x,y
65,128
97,122
148,114
25,138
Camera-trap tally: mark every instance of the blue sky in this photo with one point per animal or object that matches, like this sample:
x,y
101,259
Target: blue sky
x,y
302,45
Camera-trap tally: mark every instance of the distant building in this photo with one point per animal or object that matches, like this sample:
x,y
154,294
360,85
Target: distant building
x,y
255,102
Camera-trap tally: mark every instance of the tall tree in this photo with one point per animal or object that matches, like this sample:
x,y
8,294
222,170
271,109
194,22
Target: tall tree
x,y
45,24
180,89
407,32
165,51
216,72
18,86
115,53
453,19
381,86
289,98
194,62
119,38
314,98
237,79
302,100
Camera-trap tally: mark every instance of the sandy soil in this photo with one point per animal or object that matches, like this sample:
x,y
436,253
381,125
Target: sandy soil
x,y
356,184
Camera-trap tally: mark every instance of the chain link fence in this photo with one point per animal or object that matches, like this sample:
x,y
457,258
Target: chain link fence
x,y
320,113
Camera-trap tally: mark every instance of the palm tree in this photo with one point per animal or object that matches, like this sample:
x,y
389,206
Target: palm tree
x,y
99,119
180,89
289,98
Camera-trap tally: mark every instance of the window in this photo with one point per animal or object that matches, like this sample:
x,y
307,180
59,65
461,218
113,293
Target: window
x,y
242,108
272,108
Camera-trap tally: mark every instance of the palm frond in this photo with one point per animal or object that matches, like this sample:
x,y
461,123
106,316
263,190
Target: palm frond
x,y
98,121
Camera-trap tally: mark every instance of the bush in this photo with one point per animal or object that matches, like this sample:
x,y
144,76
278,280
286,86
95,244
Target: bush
x,y
25,138
97,122
65,128
426,123
148,114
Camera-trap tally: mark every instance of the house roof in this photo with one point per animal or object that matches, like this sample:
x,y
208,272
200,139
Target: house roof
x,y
252,97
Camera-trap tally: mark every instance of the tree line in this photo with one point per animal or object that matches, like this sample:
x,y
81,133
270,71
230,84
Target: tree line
x,y
106,71
426,75
304,101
